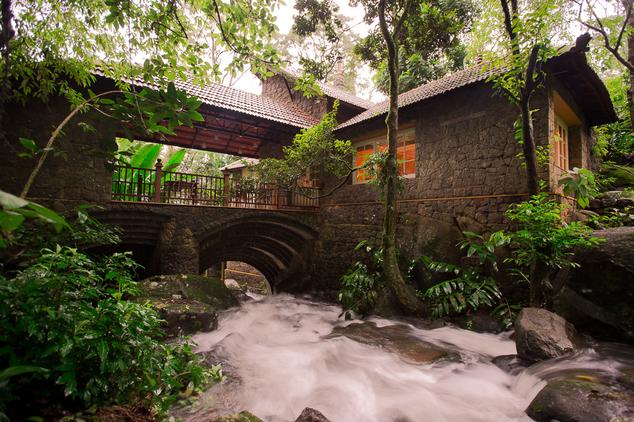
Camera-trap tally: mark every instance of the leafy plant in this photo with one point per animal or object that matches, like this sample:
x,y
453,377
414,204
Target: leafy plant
x,y
483,248
581,184
69,314
506,313
361,285
615,218
16,210
619,175
317,147
543,242
467,289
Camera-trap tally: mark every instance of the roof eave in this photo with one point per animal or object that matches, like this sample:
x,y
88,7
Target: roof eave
x,y
585,86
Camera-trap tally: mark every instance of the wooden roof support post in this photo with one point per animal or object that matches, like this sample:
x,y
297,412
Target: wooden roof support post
x,y
157,181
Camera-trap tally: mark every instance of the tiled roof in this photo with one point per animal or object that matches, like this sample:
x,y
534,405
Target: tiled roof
x,y
431,89
248,103
243,102
334,92
341,95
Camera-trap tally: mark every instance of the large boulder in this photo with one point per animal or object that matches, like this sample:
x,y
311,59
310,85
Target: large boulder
x,y
187,303
540,335
311,415
597,297
581,400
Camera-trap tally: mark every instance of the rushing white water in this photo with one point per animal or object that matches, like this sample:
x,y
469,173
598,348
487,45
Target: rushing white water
x,y
280,360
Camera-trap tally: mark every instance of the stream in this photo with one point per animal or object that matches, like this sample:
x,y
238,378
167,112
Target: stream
x,y
283,353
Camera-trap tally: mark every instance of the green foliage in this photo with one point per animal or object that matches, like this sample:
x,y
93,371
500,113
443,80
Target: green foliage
x,y
467,289
361,285
615,141
581,184
153,111
615,218
16,210
506,313
430,42
58,44
618,175
533,29
70,314
484,248
542,235
314,147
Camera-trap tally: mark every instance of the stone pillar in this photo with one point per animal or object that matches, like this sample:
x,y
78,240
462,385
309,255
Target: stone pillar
x,y
178,249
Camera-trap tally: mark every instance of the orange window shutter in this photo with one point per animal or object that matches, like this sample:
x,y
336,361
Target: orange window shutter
x,y
410,152
409,167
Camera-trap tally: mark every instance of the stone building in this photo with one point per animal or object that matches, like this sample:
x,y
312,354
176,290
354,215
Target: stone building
x,y
457,155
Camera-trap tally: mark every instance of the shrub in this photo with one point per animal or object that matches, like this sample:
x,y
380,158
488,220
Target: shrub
x,y
361,285
543,242
70,315
468,288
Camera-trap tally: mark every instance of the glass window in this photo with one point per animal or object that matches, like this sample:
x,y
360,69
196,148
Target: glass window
x,y
405,154
561,144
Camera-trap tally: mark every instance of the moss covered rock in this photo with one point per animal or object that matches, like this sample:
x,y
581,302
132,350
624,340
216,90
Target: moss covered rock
x,y
187,303
579,400
209,290
238,417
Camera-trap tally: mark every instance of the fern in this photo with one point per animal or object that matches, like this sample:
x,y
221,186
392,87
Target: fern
x,y
467,290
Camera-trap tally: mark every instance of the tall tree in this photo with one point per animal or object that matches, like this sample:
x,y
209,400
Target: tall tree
x,y
528,28
49,45
323,50
430,43
615,27
392,17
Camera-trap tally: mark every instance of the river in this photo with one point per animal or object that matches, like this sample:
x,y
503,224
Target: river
x,y
282,354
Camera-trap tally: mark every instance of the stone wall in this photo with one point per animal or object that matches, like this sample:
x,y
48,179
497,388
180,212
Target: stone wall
x,y
76,169
467,173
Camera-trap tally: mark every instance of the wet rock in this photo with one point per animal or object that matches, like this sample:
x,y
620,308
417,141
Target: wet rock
x,y
540,334
597,296
398,339
238,417
184,316
481,322
511,364
209,290
311,415
572,400
187,303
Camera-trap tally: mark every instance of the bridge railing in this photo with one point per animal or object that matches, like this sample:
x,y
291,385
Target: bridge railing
x,y
132,184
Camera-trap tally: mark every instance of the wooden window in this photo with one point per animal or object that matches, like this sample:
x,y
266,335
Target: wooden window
x,y
362,153
561,144
405,154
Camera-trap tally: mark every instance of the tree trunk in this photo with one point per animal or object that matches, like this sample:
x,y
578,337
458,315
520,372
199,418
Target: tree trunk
x,y
630,59
404,293
528,147
6,34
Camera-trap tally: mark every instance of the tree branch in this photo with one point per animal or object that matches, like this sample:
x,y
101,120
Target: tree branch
x,y
54,135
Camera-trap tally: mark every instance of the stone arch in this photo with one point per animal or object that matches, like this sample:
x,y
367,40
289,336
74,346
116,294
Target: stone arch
x,y
140,233
279,247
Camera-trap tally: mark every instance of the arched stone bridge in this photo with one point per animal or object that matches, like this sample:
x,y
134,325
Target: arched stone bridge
x,y
173,239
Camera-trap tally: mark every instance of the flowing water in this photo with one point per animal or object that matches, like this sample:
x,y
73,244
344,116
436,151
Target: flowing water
x,y
280,355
